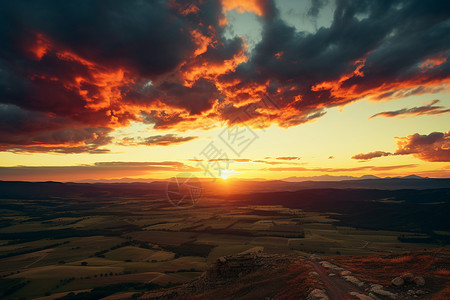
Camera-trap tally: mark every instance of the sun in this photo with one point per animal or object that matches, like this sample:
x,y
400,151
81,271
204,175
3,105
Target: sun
x,y
225,174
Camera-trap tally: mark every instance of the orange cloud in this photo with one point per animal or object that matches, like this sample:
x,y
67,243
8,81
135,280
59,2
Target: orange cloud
x,y
171,65
288,158
370,155
253,6
40,46
100,87
434,147
433,62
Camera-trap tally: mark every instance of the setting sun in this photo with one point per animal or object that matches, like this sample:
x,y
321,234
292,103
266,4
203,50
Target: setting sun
x,y
225,174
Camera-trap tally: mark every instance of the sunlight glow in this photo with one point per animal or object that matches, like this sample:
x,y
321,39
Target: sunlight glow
x,y
225,174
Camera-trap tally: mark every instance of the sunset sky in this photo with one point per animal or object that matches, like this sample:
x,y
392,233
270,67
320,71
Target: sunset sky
x,y
223,89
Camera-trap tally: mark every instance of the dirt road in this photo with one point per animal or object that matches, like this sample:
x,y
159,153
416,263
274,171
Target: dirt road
x,y
336,287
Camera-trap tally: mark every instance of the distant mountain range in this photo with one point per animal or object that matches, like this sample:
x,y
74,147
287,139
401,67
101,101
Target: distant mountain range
x,y
158,188
341,178
289,179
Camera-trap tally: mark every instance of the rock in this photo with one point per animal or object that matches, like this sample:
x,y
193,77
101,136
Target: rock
x,y
420,292
407,277
330,266
222,259
361,296
419,281
373,296
344,273
317,294
331,274
398,281
354,280
379,291
314,257
314,274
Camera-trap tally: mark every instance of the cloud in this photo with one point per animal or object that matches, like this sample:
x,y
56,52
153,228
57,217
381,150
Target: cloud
x,y
275,162
434,147
370,155
77,69
157,140
25,131
99,170
354,58
254,6
428,109
242,160
247,160
288,158
316,5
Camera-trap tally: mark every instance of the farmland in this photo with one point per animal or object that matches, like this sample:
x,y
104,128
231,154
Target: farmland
x,y
54,246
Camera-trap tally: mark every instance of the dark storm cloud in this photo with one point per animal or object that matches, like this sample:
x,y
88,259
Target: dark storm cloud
x,y
25,131
387,40
429,109
15,121
143,35
77,70
59,58
93,64
195,99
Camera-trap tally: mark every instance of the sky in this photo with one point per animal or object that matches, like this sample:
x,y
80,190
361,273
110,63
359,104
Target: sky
x,y
267,89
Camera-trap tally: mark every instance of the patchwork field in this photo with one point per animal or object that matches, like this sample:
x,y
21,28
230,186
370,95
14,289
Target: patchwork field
x,y
130,245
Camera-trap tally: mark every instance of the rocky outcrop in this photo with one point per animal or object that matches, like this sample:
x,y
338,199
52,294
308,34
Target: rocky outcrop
x,y
354,280
408,278
398,281
315,274
379,290
419,281
226,270
317,294
416,293
361,296
330,266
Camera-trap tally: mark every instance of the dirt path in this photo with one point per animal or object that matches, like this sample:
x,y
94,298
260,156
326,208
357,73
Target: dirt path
x,y
337,288
44,255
